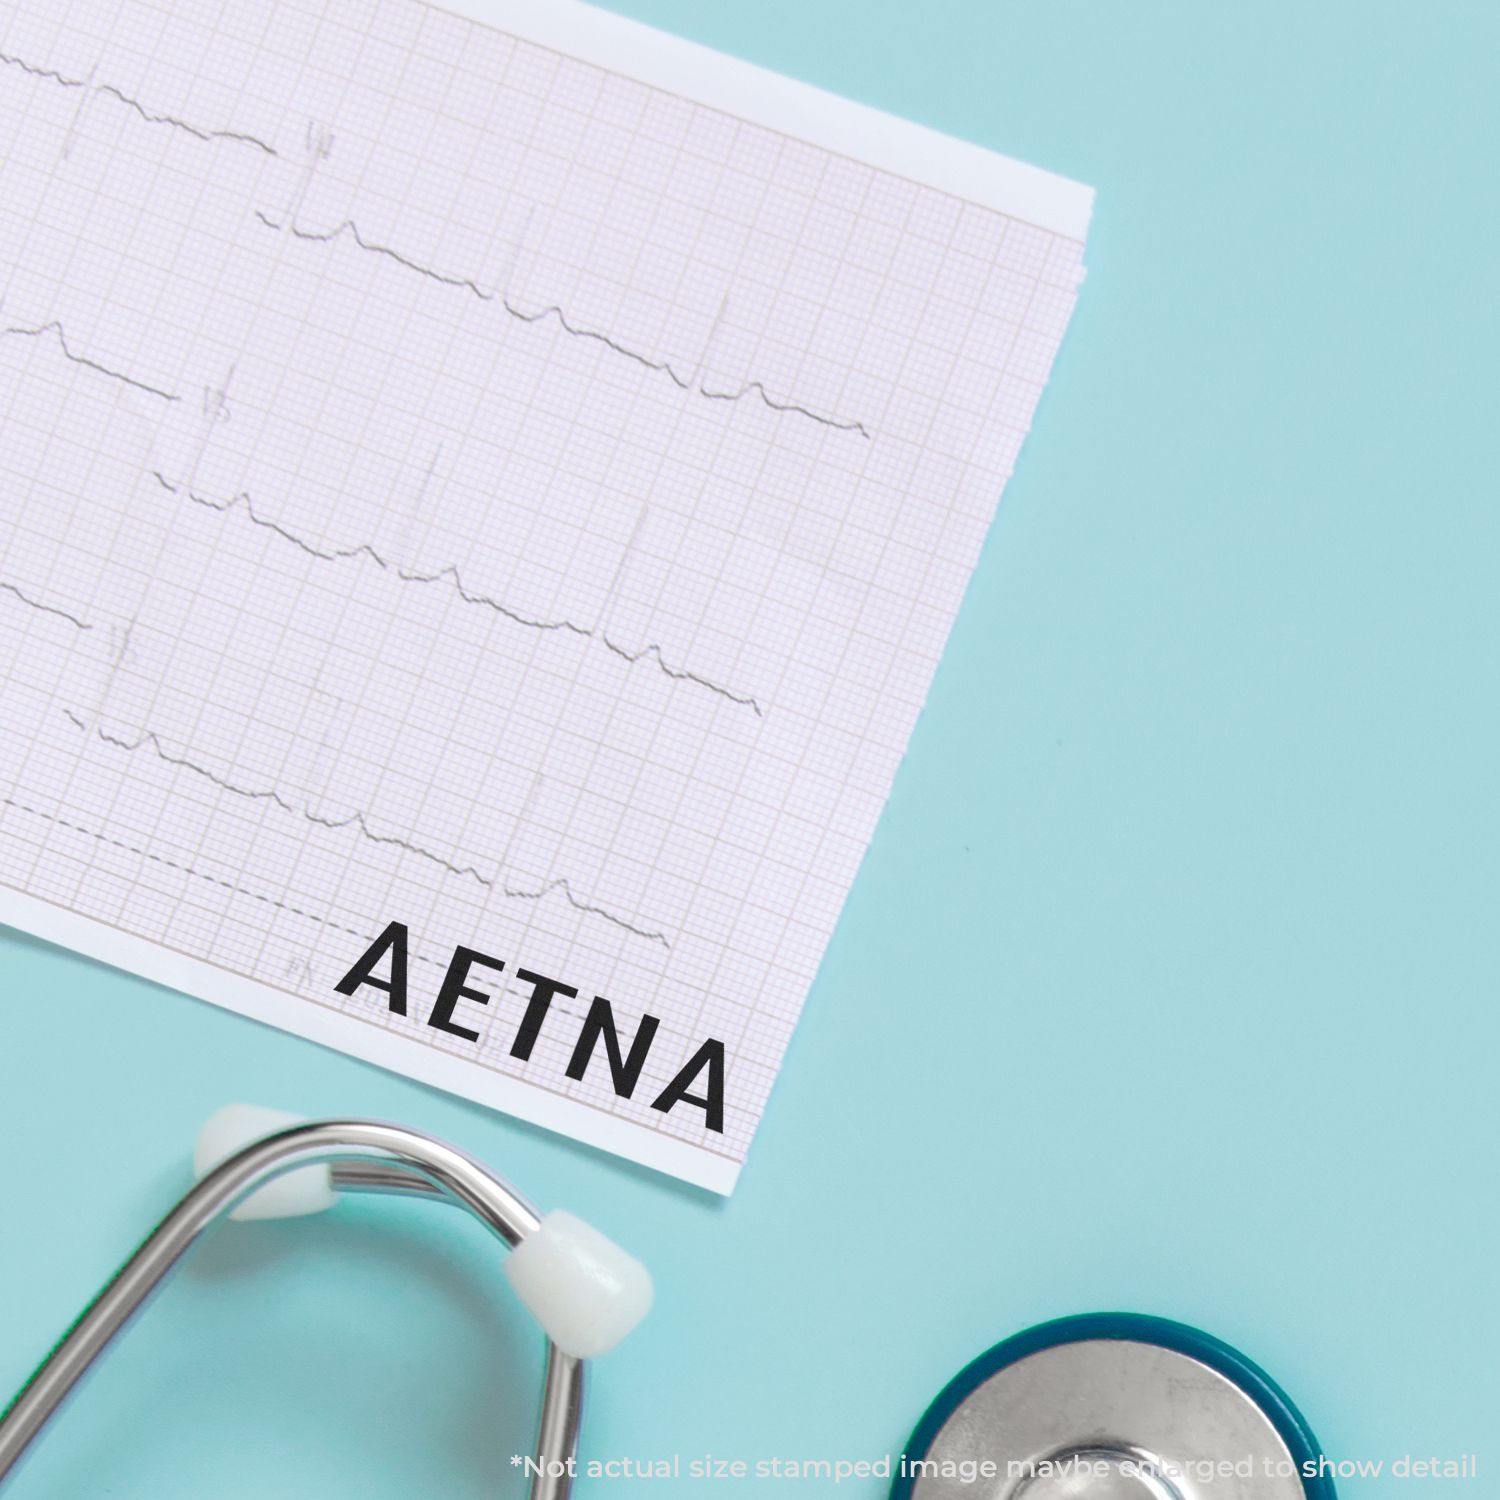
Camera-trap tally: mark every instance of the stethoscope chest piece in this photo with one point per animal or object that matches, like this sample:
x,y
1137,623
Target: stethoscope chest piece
x,y
1112,1406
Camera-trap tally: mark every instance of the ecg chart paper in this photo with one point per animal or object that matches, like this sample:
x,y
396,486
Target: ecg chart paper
x,y
478,524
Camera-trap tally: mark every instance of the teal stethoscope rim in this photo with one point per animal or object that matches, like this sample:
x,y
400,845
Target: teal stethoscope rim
x,y
1289,1423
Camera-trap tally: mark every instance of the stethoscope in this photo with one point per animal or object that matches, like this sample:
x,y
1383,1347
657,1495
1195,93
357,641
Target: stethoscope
x,y
583,1289
1110,1406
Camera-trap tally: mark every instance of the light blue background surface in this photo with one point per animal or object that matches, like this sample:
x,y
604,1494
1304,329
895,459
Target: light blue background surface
x,y
1170,981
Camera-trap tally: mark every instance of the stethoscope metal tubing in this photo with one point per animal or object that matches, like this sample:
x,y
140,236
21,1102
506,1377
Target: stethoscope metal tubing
x,y
364,1156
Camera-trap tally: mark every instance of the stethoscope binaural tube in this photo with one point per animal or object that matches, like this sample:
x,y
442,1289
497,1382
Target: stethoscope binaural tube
x,y
585,1291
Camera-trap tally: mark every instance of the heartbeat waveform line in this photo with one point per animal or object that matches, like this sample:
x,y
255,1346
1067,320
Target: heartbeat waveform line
x,y
108,88
464,283
56,328
451,576
677,674
36,72
46,609
194,130
356,820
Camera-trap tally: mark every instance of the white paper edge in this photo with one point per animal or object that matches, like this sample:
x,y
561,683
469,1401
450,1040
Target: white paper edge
x,y
793,108
258,1001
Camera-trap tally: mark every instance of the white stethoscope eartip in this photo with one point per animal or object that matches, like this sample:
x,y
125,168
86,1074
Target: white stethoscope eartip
x,y
581,1287
307,1190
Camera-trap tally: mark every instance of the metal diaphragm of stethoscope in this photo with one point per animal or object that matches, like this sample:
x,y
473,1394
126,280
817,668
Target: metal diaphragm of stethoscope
x,y
1105,1407
1112,1406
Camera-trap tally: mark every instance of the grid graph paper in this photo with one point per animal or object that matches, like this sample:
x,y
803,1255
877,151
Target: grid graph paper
x,y
451,477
